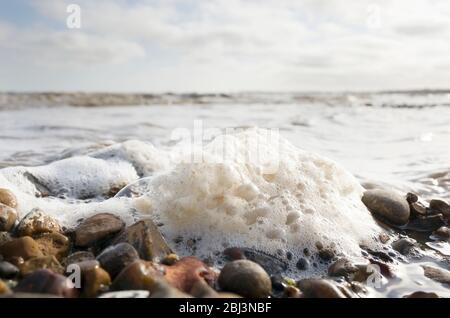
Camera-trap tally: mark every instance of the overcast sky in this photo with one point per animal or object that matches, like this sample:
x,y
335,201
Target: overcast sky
x,y
225,45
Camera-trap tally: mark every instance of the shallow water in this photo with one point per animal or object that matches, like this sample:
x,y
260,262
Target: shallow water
x,y
395,140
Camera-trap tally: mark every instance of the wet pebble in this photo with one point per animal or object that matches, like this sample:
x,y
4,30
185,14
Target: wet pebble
x,y
387,205
94,279
78,257
326,254
97,228
441,207
426,224
403,245
24,247
37,222
53,244
8,217
44,262
302,264
421,294
319,288
8,198
139,275
8,270
115,258
342,267
245,278
437,274
443,233
4,289
46,282
145,237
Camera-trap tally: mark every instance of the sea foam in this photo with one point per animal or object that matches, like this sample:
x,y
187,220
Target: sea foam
x,y
244,189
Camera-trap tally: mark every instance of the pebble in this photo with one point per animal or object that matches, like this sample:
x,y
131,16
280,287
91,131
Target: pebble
x,y
4,289
187,271
115,258
139,275
443,232
8,217
421,294
46,282
326,254
292,292
8,198
79,257
342,267
126,294
5,237
145,237
37,222
441,207
411,197
403,245
97,228
245,278
437,274
53,244
94,279
24,247
319,288
302,264
387,205
418,209
271,264
44,262
8,270
426,224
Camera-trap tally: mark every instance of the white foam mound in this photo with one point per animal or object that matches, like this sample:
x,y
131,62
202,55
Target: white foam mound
x,y
252,189
257,190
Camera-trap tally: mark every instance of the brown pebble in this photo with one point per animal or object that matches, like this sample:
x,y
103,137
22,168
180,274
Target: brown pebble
x,y
437,274
24,247
387,205
8,198
46,282
37,222
44,262
443,232
441,207
319,288
8,217
421,294
342,267
94,279
53,244
97,228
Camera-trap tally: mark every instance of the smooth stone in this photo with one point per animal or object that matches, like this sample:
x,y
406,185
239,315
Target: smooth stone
x,y
245,278
37,222
271,264
4,289
8,270
326,254
292,292
145,237
187,271
115,258
53,244
411,197
94,278
403,245
139,275
417,209
126,294
387,205
443,232
441,207
24,247
97,228
8,217
78,257
342,267
302,264
426,224
421,294
319,288
8,198
437,274
45,281
44,262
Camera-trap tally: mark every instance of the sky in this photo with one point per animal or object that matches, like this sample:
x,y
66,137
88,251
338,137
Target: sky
x,y
224,45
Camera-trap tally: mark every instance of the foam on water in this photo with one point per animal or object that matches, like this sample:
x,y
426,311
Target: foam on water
x,y
240,190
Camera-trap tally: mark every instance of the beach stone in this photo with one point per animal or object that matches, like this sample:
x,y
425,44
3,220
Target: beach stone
x,y
145,237
5,237
24,247
53,244
421,294
245,278
37,222
441,207
292,292
387,205
270,263
4,289
411,197
139,275
115,258
403,245
426,224
437,274
44,262
443,232
417,209
8,270
187,271
78,257
94,279
126,294
8,198
97,228
326,254
302,264
8,217
46,282
319,288
342,267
